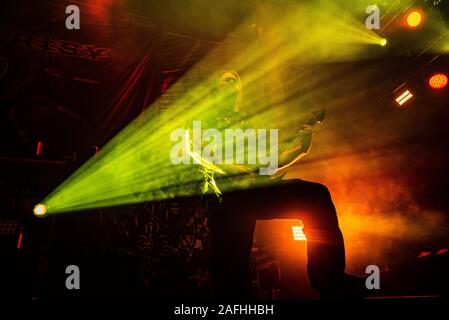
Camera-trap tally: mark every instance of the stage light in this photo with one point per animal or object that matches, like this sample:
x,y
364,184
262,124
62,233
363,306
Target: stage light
x,y
438,81
40,210
298,234
39,147
414,19
383,42
135,165
19,241
404,97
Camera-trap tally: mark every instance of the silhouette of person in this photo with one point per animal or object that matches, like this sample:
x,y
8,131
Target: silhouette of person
x,y
232,215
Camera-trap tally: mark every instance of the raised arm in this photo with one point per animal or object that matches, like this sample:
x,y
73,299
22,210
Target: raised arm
x,y
298,145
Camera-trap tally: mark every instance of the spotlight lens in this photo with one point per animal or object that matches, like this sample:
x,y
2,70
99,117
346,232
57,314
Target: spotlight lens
x,y
414,19
438,81
383,42
40,210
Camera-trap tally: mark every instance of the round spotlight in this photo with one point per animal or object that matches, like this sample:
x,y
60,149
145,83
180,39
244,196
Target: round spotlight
x,y
414,19
438,81
383,42
40,210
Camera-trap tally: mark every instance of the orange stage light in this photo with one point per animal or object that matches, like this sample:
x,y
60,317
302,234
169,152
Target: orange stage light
x,y
438,81
414,18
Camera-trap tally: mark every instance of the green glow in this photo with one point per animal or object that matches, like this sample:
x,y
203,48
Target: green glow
x,y
135,165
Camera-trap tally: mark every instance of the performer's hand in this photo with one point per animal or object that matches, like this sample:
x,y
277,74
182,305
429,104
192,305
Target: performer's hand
x,y
319,115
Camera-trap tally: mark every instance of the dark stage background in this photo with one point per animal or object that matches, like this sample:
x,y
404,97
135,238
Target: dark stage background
x,y
387,168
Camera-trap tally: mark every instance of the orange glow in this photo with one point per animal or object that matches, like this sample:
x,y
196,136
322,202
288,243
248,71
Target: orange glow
x,y
438,81
375,207
414,19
